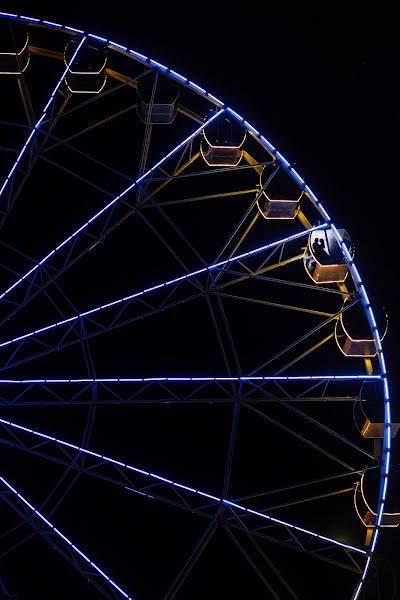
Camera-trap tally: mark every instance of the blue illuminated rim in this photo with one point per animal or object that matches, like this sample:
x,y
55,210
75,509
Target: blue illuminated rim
x,y
295,175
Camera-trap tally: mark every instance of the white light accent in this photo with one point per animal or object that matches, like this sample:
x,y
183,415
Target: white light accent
x,y
387,462
197,87
215,99
118,45
52,23
380,514
282,159
29,19
251,128
296,175
138,55
267,143
178,76
74,29
386,388
158,64
97,37
235,114
358,590
385,484
388,415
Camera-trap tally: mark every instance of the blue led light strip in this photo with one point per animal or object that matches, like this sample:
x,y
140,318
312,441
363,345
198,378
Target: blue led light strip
x,y
110,204
36,127
195,379
64,538
179,485
156,287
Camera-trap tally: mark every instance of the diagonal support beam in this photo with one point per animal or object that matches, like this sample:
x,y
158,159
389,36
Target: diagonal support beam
x,y
186,277
65,546
35,128
70,240
160,480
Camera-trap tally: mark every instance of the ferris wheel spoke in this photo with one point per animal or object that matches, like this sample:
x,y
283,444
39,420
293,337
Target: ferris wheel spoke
x,y
5,206
193,557
127,477
56,538
164,390
318,424
157,480
299,437
260,552
70,249
68,336
171,250
121,305
251,562
57,142
34,157
302,338
242,221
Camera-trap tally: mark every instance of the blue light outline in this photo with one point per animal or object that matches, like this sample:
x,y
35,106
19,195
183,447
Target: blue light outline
x,y
155,287
62,536
168,481
243,378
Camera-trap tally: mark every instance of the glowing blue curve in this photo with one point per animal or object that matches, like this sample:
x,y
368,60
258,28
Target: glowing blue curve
x,y
295,175
40,121
177,484
63,537
158,286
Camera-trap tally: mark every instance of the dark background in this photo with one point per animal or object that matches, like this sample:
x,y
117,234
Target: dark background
x,y
321,84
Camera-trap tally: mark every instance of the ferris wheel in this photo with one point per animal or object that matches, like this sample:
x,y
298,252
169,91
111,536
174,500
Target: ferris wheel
x,y
194,397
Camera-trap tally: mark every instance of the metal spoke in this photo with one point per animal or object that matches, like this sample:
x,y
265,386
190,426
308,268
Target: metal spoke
x,y
193,557
60,542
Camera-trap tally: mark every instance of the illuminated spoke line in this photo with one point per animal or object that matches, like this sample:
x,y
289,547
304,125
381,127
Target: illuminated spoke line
x,y
108,206
43,115
241,379
66,540
172,483
67,337
91,240
156,287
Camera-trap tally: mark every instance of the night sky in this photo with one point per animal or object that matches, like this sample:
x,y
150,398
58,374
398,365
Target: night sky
x,y
322,85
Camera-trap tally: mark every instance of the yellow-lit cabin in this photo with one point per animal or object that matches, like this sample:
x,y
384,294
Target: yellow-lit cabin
x,y
222,142
353,332
14,53
280,196
323,259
